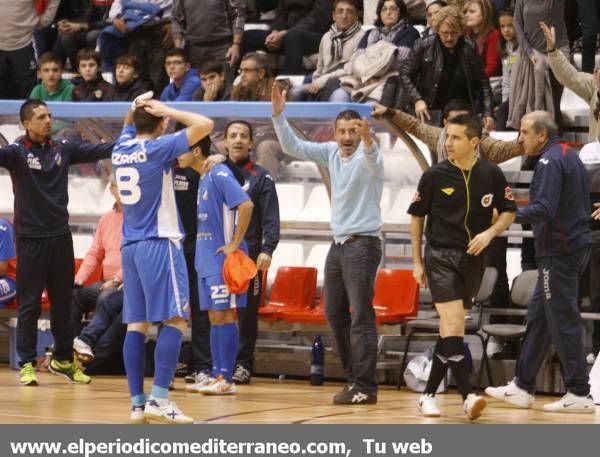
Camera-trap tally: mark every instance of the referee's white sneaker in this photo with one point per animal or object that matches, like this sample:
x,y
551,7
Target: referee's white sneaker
x,y
428,406
473,405
571,403
511,393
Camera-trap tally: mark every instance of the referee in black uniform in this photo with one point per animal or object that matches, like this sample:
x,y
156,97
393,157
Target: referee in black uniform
x,y
39,167
458,196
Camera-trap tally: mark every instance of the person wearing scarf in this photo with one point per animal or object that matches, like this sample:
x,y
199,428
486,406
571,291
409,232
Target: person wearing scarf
x,y
335,49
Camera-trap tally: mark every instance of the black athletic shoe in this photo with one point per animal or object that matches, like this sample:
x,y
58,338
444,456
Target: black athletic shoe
x,y
241,375
354,396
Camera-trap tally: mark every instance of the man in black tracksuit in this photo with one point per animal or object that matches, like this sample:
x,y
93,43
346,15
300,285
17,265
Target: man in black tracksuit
x,y
262,237
559,213
39,167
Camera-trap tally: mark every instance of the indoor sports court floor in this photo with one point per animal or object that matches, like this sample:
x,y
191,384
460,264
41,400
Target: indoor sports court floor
x,y
265,401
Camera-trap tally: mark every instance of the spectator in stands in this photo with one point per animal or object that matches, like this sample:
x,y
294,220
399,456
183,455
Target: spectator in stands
x,y
113,39
444,67
535,86
479,20
380,54
213,32
508,50
45,38
296,32
355,166
184,79
90,86
559,212
148,42
431,9
105,296
8,264
104,254
494,150
214,87
589,15
590,156
40,167
583,84
261,237
53,87
128,84
17,56
336,48
82,31
255,79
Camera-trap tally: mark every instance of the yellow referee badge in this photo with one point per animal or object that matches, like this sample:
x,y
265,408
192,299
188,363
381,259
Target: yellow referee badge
x,y
448,190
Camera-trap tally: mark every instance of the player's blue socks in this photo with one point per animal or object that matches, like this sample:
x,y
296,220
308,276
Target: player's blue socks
x,y
134,357
215,332
166,356
228,348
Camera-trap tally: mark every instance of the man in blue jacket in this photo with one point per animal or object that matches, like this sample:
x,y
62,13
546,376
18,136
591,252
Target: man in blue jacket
x,y
559,213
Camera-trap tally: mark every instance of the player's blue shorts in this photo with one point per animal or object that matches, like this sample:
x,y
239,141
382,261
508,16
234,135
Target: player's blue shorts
x,y
215,296
8,290
155,281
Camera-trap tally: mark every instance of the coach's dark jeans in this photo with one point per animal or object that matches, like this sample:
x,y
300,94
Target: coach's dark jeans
x,y
45,263
350,271
553,316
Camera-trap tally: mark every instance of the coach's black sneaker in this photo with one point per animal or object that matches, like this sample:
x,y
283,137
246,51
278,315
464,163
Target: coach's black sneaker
x,y
241,375
354,396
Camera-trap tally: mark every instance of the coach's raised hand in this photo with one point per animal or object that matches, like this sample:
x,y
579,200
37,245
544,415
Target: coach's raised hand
x,y
277,99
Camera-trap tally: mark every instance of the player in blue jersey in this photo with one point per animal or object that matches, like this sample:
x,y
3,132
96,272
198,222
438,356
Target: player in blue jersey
x,y
224,213
154,270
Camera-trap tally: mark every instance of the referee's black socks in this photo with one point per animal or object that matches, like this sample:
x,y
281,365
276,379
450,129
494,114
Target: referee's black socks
x,y
454,350
439,366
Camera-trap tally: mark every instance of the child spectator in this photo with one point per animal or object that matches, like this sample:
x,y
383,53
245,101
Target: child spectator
x,y
91,86
52,88
185,80
128,82
214,87
508,51
479,19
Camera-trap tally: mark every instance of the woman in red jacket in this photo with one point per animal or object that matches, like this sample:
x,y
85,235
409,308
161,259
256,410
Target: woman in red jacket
x,y
479,19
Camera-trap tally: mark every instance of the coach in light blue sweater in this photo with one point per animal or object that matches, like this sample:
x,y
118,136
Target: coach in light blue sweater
x,y
356,170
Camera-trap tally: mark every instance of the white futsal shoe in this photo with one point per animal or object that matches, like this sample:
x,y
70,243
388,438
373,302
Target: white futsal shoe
x,y
571,403
473,405
428,406
202,380
166,412
511,393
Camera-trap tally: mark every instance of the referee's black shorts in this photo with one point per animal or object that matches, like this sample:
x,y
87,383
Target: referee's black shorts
x,y
452,274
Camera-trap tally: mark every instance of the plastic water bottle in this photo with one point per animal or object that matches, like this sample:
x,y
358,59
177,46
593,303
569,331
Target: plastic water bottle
x,y
317,362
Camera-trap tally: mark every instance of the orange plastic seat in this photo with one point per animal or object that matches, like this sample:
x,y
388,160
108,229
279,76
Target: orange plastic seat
x,y
308,315
293,288
396,296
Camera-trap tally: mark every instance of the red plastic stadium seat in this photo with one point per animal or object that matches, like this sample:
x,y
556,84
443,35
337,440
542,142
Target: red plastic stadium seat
x,y
396,296
293,288
306,315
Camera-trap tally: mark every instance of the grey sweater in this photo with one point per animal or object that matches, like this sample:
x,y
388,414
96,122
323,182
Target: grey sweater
x,y
207,21
529,14
18,21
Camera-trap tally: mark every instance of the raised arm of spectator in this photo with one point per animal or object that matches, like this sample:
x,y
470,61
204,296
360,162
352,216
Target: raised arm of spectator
x,y
499,151
583,84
